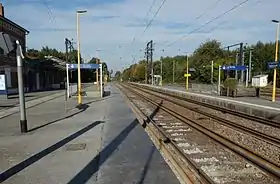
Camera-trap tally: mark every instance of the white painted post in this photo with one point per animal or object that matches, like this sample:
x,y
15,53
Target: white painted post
x,y
247,76
219,81
67,80
212,71
101,81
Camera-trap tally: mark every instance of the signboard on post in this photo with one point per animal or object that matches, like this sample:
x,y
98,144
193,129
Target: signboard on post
x,y
187,75
234,67
3,86
3,83
84,66
272,65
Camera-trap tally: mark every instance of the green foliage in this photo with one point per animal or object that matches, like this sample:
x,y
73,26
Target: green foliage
x,y
118,75
46,51
200,60
230,83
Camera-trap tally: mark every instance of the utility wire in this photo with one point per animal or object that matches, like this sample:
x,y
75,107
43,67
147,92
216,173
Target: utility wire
x,y
200,15
210,21
208,9
150,9
51,15
150,22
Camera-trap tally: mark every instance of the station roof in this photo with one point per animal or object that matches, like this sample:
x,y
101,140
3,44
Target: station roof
x,y
49,62
4,19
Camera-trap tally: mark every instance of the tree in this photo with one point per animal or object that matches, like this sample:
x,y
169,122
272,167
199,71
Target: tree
x,y
47,51
118,75
33,53
201,59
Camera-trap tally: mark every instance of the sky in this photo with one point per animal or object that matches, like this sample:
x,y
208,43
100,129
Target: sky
x,y
115,30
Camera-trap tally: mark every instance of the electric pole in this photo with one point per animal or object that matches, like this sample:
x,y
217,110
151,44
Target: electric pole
x,y
68,48
239,59
250,65
149,57
68,45
173,76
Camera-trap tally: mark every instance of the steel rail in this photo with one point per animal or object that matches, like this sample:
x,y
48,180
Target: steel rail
x,y
203,177
259,135
259,161
222,109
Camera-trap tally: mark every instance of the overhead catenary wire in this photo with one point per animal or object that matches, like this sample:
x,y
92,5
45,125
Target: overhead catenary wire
x,y
150,9
225,22
51,16
151,21
200,15
210,21
208,9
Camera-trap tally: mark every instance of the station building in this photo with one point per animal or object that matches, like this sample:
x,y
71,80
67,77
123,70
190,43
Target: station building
x,y
38,74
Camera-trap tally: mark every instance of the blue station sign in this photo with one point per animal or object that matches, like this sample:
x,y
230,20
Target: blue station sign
x,y
273,64
84,66
234,67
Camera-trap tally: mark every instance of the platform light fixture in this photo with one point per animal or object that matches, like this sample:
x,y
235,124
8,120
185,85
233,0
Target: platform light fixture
x,y
78,12
276,60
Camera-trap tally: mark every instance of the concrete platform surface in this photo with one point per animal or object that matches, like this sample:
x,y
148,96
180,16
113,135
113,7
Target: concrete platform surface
x,y
99,142
13,100
247,100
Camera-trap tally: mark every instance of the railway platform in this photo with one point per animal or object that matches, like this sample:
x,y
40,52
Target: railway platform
x,y
251,105
252,101
99,142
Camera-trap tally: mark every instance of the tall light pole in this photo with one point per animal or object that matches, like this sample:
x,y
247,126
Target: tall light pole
x,y
97,62
161,73
276,60
78,12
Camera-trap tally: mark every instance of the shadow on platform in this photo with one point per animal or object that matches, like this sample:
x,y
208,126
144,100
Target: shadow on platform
x,y
7,106
16,96
82,108
147,166
93,166
31,160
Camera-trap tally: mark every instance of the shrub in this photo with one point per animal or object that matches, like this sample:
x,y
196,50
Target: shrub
x,y
231,85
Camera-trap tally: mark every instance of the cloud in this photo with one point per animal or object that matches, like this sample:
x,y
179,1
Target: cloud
x,y
111,25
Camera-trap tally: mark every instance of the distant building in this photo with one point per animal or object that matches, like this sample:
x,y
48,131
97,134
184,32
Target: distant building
x,y
9,33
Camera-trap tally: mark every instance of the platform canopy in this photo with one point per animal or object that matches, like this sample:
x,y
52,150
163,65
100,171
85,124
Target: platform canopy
x,y
49,62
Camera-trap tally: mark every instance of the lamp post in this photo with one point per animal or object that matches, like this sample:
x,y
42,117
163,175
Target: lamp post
x,y
97,62
276,60
78,12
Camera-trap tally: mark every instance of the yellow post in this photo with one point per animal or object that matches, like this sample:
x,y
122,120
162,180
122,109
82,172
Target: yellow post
x,y
276,60
187,79
79,62
79,59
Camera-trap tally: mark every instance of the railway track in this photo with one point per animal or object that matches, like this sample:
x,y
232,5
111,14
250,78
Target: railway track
x,y
259,135
228,111
178,133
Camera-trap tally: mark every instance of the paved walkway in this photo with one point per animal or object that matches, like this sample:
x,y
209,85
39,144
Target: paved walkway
x,y
13,100
252,100
99,142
